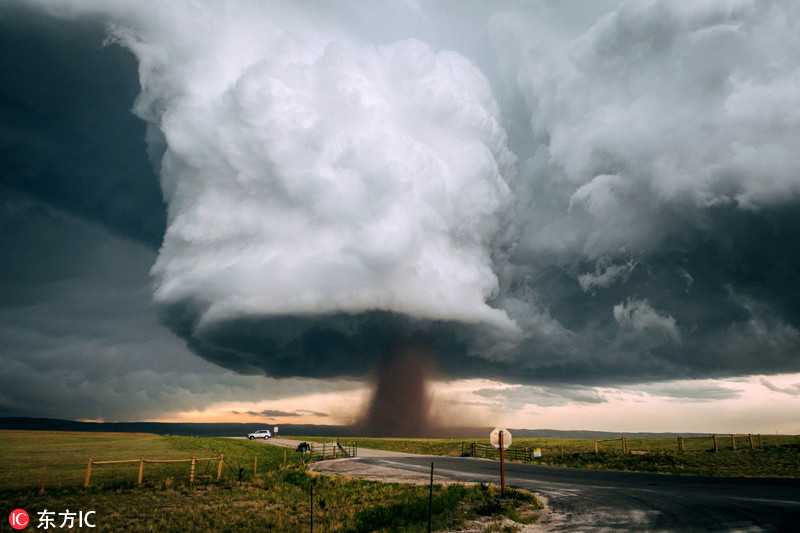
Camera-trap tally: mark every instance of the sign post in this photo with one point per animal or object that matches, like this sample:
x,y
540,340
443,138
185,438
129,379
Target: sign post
x,y
501,438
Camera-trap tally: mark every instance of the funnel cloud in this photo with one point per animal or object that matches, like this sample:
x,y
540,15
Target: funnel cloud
x,y
401,402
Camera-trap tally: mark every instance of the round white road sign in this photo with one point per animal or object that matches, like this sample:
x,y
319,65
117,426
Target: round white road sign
x,y
494,437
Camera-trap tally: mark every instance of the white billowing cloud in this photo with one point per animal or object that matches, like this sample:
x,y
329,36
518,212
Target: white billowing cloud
x,y
308,173
639,316
659,104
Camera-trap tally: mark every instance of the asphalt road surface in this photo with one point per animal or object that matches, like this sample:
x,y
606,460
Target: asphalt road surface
x,y
598,500
595,500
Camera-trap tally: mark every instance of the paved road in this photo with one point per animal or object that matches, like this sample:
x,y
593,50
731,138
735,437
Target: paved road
x,y
594,500
597,500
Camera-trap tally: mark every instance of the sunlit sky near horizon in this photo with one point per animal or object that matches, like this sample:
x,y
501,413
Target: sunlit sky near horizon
x,y
565,215
757,404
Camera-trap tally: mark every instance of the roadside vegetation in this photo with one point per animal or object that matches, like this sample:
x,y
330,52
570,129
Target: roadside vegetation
x,y
278,498
775,456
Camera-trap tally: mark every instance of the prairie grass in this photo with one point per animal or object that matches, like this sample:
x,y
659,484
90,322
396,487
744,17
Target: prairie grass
x,y
277,499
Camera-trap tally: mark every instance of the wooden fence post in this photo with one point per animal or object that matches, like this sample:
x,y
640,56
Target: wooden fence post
x,y
219,467
141,470
255,466
733,441
191,472
562,451
44,474
88,473
596,449
284,458
750,435
716,446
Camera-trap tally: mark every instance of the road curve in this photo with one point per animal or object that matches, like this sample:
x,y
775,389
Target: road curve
x,y
596,500
599,500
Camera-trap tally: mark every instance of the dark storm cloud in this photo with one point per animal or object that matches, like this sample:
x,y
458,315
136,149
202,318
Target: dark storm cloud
x,y
68,136
737,316
79,338
604,197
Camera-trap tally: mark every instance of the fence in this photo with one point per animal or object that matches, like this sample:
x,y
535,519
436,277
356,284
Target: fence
x,y
330,450
142,462
714,442
487,451
623,440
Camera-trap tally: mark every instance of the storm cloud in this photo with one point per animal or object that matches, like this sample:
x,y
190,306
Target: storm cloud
x,y
547,194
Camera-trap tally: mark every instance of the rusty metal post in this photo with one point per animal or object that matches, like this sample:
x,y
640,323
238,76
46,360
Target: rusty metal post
x,y
219,468
141,470
191,472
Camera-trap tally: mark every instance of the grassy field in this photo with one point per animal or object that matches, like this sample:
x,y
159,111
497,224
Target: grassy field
x,y
278,499
777,456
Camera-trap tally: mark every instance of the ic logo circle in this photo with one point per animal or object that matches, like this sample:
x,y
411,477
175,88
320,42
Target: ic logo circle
x,y
18,519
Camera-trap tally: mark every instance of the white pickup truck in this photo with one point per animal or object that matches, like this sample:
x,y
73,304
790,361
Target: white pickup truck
x,y
260,434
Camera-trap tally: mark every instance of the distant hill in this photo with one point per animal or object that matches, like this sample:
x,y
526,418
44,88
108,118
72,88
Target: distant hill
x,y
166,428
238,429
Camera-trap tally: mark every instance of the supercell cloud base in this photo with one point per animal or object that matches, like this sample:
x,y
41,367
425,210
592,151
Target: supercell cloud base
x,y
563,208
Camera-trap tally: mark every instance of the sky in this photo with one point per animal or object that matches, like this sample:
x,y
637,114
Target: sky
x,y
569,215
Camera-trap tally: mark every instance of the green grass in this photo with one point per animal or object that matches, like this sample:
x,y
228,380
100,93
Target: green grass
x,y
66,454
778,456
278,499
